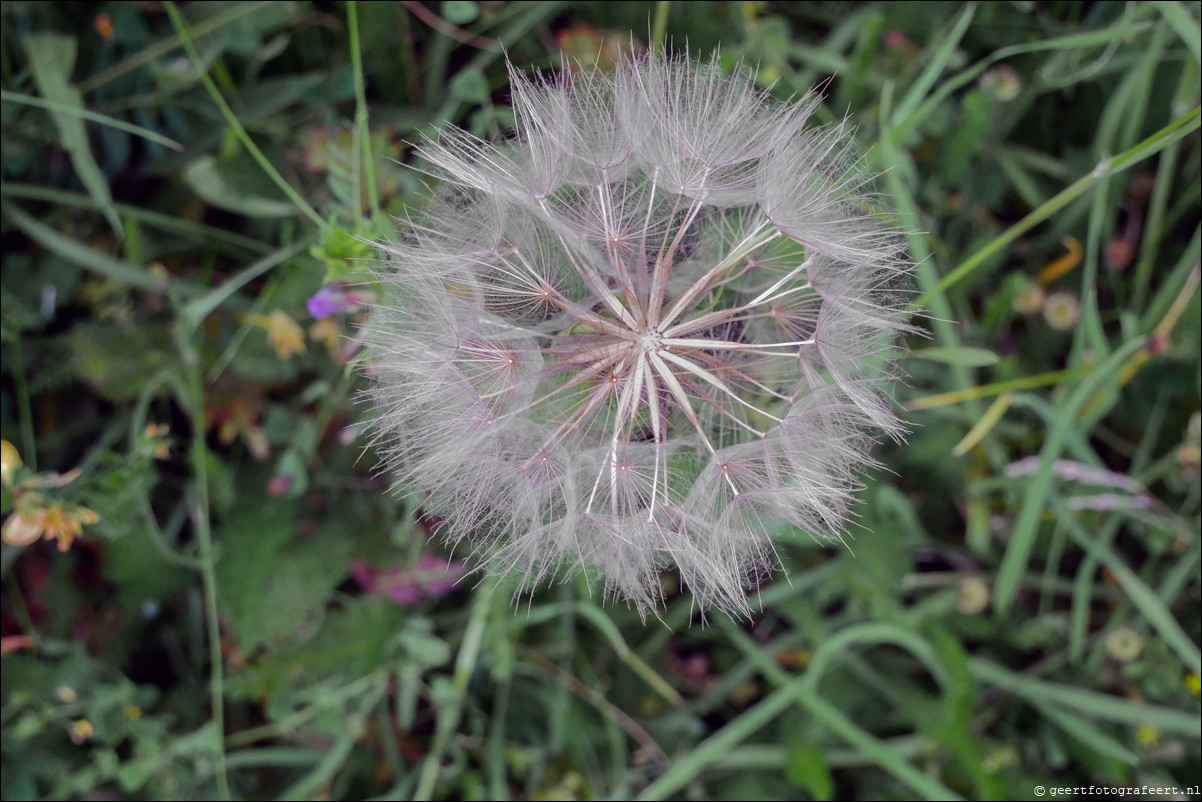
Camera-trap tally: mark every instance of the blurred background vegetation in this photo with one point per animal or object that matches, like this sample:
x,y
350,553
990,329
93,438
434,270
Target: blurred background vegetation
x,y
209,592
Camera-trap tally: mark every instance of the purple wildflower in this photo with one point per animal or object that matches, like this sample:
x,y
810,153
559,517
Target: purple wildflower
x,y
334,299
643,333
327,302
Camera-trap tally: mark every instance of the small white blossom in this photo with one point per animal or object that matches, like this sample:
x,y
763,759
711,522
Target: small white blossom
x,y
641,334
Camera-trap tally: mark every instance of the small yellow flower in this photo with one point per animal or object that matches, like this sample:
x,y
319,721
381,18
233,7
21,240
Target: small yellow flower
x,y
239,418
64,524
65,694
1147,736
10,462
35,517
285,334
1193,684
81,731
132,712
104,26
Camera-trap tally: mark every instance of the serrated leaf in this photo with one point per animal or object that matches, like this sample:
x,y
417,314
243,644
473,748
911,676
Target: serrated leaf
x,y
963,356
273,583
51,59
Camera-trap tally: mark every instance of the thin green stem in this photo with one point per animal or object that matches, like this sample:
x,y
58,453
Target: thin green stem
x,y
290,723
204,538
235,125
1026,526
1178,129
28,628
449,715
659,27
369,167
997,388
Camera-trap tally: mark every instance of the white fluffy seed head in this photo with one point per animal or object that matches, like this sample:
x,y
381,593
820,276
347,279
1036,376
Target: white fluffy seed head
x,y
642,333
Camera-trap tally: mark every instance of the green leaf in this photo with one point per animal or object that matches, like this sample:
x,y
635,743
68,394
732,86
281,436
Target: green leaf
x,y
51,58
353,641
344,253
460,12
469,86
960,355
1143,597
271,583
1184,23
224,186
807,767
1085,701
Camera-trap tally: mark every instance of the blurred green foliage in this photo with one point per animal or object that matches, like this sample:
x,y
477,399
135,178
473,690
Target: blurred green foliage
x,y
249,611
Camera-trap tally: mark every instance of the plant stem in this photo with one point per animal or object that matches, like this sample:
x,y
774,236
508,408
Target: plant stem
x,y
997,388
448,719
204,537
235,125
659,27
369,167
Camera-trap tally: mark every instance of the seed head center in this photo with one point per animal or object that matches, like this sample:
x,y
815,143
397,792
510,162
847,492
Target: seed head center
x,y
651,341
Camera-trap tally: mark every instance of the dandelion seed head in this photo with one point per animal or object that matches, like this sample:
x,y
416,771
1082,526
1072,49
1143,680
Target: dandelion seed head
x,y
641,334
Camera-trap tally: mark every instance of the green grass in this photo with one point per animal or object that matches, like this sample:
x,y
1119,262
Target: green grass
x,y
176,189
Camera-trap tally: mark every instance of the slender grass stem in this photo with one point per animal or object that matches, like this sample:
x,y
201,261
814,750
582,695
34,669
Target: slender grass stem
x,y
369,166
235,124
659,26
208,570
449,715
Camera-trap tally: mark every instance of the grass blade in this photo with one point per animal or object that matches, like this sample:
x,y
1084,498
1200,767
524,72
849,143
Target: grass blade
x,y
78,253
1179,128
1142,596
1026,528
1086,702
51,58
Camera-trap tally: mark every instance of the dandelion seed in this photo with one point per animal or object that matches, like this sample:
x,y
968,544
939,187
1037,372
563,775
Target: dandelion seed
x,y
642,334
